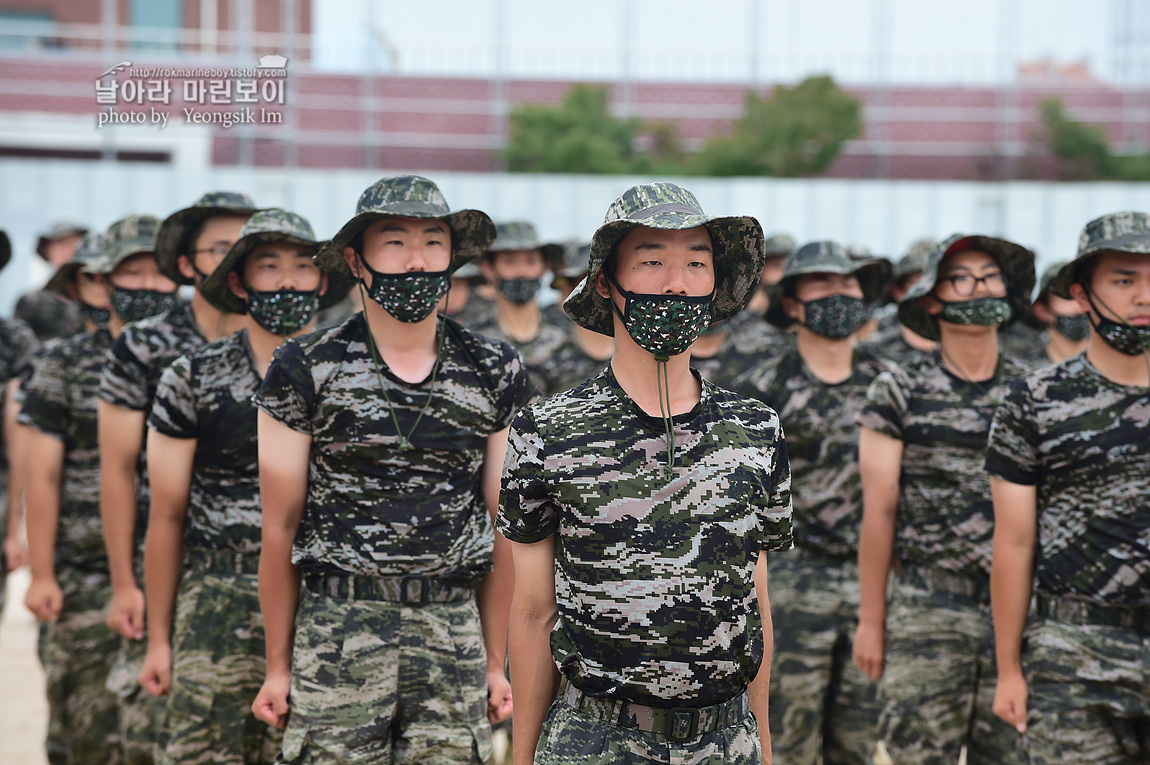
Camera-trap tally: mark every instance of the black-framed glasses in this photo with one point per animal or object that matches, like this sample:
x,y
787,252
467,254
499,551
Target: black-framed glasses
x,y
964,285
219,250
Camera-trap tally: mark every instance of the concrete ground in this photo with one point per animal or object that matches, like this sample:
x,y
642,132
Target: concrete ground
x,y
23,707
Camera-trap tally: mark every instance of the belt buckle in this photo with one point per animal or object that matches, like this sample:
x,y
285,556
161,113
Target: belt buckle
x,y
405,590
682,723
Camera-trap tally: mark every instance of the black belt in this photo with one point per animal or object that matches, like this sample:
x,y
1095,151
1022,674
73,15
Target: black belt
x,y
409,590
1075,611
676,723
947,581
224,562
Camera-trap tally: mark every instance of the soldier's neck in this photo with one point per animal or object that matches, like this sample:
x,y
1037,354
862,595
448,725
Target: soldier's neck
x,y
211,321
409,349
1059,348
1118,367
597,346
263,344
830,361
708,345
115,325
638,375
969,351
519,321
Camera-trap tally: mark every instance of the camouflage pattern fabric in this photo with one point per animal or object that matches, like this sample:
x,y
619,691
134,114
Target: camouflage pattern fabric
x,y
1088,693
325,385
945,514
737,244
60,401
175,231
752,334
888,342
823,708
1085,442
218,666
822,444
141,713
336,314
571,366
472,232
539,352
49,314
57,230
207,396
1026,344
481,310
78,651
570,737
1120,232
939,682
824,257
376,682
521,235
590,467
742,348
17,347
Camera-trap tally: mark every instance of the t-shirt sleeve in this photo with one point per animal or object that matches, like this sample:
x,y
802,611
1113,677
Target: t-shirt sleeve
x,y
774,512
1012,446
45,396
885,406
174,408
288,390
24,348
527,513
515,390
124,381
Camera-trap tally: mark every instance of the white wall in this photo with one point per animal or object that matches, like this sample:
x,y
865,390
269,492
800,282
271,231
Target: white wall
x,y
884,215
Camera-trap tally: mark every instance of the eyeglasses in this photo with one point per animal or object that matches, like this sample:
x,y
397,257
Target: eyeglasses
x,y
964,285
219,250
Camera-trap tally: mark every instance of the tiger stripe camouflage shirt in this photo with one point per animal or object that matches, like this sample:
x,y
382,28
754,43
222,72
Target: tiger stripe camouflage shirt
x,y
1084,442
654,573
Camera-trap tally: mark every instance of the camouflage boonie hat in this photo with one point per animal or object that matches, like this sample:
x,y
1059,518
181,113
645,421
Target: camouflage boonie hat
x,y
172,242
822,258
469,272
89,250
1048,277
1117,232
57,231
5,249
915,258
410,196
521,235
1016,262
270,225
737,242
576,255
777,245
124,238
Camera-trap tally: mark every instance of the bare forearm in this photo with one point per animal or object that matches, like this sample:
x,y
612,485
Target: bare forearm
x,y
43,522
534,679
876,553
1010,588
494,600
118,517
163,567
279,582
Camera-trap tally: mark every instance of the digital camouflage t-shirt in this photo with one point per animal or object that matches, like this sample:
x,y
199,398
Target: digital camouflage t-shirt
x,y
1084,441
207,396
822,443
654,573
375,507
60,401
539,353
945,514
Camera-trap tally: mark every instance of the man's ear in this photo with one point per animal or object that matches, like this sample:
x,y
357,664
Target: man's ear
x,y
1078,292
791,307
602,286
487,269
1042,313
236,286
932,306
184,266
351,257
323,283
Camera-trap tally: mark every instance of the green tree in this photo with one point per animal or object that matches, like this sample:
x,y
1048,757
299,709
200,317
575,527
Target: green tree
x,y
1082,150
797,131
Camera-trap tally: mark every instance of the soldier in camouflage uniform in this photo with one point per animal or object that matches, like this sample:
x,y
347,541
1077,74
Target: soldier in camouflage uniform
x,y
515,264
49,312
640,505
585,353
823,708
206,503
892,339
1069,459
380,443
189,244
463,302
1059,329
70,586
751,334
17,346
927,502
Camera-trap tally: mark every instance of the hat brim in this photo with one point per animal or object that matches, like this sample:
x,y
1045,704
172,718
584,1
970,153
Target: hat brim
x,y
5,249
1071,273
173,230
62,278
1016,262
472,233
117,253
870,273
737,244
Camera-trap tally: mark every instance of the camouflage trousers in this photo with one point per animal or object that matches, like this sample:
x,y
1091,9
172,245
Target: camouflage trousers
x,y
383,682
938,686
78,650
823,708
573,737
1089,692
218,666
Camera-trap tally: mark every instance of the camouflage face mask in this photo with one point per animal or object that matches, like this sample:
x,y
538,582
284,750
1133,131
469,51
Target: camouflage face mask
x,y
410,296
282,312
1124,338
836,316
133,305
1073,328
663,325
984,312
98,316
519,290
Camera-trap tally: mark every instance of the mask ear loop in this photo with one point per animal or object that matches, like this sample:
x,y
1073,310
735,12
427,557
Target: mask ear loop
x,y
1090,299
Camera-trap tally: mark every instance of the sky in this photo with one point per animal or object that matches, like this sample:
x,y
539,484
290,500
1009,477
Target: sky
x,y
906,41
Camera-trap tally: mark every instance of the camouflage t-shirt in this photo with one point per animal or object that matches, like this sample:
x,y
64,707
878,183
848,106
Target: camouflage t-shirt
x,y
60,401
539,352
571,365
945,514
654,573
373,506
18,344
478,310
207,395
748,340
1025,343
49,314
889,343
1084,441
822,443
